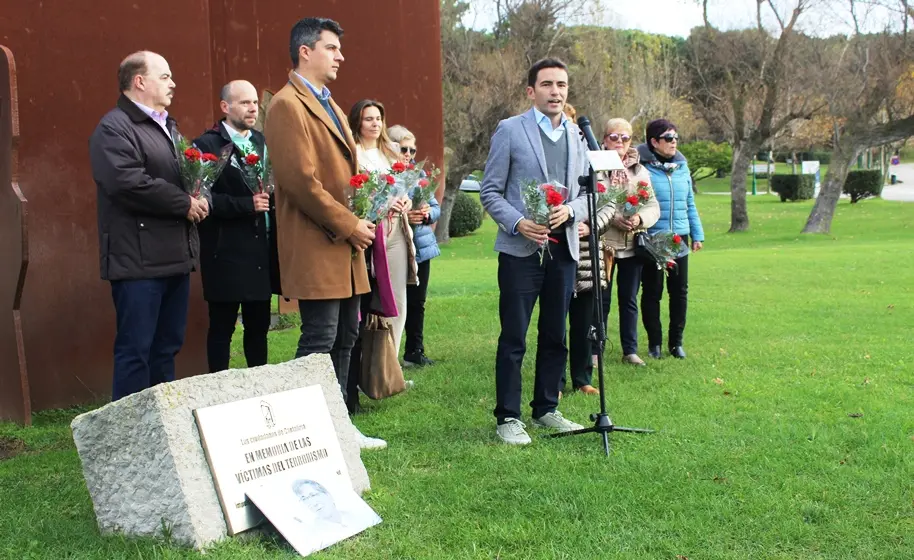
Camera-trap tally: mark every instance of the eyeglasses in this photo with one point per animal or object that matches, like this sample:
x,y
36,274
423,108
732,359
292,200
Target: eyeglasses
x,y
404,150
669,137
615,137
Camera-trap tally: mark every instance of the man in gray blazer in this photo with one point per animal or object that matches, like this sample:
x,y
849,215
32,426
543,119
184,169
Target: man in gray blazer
x,y
540,145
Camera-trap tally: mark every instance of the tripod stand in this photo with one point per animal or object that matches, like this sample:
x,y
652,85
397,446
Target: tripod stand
x,y
603,425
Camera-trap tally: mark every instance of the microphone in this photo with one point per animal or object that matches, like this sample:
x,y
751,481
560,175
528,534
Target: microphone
x,y
584,125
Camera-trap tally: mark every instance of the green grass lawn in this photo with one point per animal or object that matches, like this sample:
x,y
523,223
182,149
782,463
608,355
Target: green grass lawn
x,y
788,433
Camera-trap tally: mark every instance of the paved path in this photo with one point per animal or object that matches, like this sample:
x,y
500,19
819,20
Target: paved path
x,y
905,190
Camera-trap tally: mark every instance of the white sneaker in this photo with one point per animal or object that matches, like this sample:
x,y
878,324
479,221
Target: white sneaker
x,y
556,421
366,442
512,432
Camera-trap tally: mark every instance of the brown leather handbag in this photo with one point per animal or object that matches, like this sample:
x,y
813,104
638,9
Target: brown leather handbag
x,y
381,374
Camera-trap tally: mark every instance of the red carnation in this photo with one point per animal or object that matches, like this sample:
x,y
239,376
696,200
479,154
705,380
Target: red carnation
x,y
601,188
633,200
676,238
643,194
210,157
193,154
390,179
642,183
251,159
670,264
423,183
554,198
356,181
411,166
398,167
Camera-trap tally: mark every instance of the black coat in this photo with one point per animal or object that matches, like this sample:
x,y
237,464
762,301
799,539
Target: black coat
x,y
238,254
143,230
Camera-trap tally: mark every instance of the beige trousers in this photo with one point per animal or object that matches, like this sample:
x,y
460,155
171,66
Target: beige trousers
x,y
398,263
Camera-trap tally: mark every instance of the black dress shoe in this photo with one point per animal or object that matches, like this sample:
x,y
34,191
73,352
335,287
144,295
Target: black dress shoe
x,y
417,359
678,352
654,352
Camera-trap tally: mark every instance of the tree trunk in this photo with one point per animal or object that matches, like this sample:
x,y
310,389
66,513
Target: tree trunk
x,y
451,188
823,211
739,214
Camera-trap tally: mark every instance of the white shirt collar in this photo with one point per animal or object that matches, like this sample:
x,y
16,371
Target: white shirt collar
x,y
540,116
232,132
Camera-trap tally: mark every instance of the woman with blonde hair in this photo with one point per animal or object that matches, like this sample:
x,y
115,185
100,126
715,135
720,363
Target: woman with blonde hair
x,y
619,238
421,220
376,152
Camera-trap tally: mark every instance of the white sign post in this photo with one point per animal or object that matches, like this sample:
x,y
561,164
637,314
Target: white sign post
x,y
250,441
813,168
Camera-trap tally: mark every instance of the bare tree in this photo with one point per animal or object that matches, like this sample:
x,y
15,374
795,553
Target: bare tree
x,y
871,100
741,83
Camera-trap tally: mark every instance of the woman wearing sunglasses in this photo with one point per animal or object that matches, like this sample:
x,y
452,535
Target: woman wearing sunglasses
x,y
619,238
421,220
670,174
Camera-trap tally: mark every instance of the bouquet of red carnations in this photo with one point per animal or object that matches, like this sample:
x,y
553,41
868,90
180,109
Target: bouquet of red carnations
x,y
539,200
631,203
199,170
605,196
425,187
371,195
664,247
257,171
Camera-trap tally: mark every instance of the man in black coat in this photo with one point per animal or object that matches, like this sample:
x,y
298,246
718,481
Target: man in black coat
x,y
236,241
148,242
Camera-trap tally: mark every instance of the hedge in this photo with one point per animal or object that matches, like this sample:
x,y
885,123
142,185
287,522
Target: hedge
x,y
794,187
863,183
466,216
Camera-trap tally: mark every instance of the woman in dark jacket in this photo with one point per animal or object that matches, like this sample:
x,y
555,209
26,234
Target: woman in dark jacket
x,y
673,187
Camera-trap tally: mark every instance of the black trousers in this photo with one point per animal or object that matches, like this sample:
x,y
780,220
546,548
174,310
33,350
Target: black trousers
x,y
677,285
355,362
222,318
521,282
580,348
330,326
627,274
415,311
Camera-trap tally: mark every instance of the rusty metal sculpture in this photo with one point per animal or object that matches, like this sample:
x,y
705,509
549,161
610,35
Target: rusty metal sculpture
x,y
15,399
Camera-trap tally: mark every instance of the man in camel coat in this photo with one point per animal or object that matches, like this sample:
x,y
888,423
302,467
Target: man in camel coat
x,y
313,157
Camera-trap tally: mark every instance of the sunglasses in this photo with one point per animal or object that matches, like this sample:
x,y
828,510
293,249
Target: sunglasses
x,y
404,150
615,137
669,137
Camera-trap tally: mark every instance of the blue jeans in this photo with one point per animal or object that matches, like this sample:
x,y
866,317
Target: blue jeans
x,y
151,321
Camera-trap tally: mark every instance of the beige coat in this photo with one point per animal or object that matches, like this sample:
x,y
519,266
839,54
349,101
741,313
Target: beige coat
x,y
312,163
622,242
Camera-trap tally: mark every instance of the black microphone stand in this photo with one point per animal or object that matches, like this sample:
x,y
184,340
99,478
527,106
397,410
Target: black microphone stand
x,y
603,425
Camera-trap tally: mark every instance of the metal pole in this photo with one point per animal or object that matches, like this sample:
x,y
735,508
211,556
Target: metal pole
x,y
753,176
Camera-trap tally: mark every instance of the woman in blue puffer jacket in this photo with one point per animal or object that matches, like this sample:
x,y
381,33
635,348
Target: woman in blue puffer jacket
x,y
673,187
421,220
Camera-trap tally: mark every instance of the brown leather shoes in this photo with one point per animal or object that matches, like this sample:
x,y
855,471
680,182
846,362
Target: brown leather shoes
x,y
633,359
589,390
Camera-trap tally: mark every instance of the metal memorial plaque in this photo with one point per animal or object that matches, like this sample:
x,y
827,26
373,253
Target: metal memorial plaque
x,y
278,435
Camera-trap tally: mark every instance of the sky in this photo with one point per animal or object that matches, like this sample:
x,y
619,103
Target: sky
x,y
678,17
